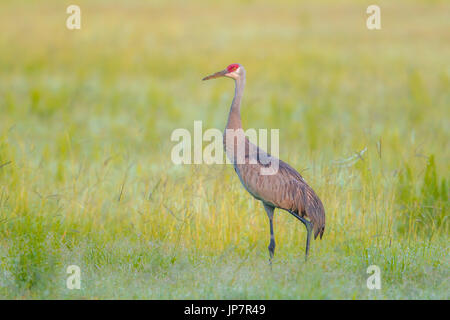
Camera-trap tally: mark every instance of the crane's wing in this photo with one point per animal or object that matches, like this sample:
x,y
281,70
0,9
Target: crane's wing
x,y
285,189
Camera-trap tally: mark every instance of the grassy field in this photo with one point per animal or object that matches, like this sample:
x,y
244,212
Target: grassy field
x,y
86,176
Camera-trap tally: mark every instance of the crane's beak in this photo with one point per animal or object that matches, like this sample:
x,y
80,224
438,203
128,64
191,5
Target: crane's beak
x,y
216,75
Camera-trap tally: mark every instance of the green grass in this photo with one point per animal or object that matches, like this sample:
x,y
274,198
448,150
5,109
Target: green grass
x,y
85,170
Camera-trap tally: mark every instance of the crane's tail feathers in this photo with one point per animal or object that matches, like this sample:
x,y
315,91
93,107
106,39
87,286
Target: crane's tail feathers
x,y
319,231
312,207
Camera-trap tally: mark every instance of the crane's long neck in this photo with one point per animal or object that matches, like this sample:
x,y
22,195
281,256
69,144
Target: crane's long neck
x,y
234,118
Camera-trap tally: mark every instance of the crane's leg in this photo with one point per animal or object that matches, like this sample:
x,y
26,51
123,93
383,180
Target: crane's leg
x,y
269,210
309,228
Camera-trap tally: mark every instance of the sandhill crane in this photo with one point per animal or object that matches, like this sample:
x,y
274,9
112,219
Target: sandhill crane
x,y
286,189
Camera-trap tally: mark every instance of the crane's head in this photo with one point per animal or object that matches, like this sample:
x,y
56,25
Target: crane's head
x,y
234,70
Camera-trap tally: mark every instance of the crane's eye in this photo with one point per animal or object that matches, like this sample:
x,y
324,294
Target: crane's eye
x,y
232,67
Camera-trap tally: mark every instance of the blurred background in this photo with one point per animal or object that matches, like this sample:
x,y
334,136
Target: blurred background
x,y
85,123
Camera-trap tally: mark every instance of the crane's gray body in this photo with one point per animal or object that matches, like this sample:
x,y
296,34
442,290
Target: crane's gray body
x,y
285,189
